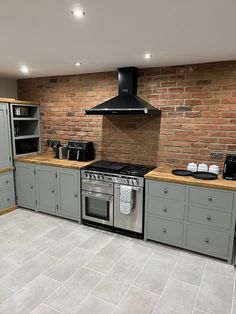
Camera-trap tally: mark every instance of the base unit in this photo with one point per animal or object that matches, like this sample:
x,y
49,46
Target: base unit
x,y
7,193
196,218
48,189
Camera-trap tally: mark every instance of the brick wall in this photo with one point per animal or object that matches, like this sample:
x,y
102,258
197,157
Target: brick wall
x,y
198,104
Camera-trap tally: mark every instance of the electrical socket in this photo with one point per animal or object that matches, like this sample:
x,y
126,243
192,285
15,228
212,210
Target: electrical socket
x,y
217,155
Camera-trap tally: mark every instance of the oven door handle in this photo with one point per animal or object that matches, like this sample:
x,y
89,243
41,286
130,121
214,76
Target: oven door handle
x,y
97,182
97,195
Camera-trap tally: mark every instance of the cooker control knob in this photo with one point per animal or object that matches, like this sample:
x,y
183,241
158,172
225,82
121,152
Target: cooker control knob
x,y
96,177
100,177
135,182
125,181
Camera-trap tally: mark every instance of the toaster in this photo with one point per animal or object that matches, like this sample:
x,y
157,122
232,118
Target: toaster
x,y
229,172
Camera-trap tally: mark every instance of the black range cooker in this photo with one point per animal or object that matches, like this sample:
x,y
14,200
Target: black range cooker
x,y
113,195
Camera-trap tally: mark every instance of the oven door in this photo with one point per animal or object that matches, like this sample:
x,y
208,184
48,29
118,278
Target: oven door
x,y
97,207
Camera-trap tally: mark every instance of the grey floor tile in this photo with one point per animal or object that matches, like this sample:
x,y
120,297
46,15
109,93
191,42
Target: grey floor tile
x,y
199,312
6,267
7,247
152,279
23,275
190,268
22,255
44,309
27,299
91,305
67,298
60,231
97,242
216,291
5,293
41,244
116,283
137,255
137,301
68,265
104,260
178,297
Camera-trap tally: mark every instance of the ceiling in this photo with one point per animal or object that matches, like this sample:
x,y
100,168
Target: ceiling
x,y
48,39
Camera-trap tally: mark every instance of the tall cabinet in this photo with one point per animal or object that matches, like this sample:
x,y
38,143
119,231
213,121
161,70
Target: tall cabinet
x,y
19,135
5,137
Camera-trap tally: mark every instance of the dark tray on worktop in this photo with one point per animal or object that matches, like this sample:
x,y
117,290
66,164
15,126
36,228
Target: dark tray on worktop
x,y
197,175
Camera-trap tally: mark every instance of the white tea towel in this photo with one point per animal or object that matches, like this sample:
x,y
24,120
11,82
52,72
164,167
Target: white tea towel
x,y
126,199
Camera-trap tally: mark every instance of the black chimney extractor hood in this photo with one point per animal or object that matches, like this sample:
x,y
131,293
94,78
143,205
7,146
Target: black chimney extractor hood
x,y
127,102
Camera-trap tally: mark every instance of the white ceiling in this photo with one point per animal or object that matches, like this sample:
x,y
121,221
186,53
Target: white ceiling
x,y
43,35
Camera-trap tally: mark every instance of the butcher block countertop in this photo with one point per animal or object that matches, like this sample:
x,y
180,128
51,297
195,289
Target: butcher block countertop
x,y
47,159
6,169
163,173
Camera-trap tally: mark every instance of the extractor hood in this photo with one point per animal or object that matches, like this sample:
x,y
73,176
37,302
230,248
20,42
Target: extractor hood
x,y
127,102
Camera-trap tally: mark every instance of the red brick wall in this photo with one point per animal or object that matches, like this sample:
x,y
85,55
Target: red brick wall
x,y
198,104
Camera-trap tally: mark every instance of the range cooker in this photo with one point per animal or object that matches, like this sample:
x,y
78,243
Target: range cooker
x,y
103,183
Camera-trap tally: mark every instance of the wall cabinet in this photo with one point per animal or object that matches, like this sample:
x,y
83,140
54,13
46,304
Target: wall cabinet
x,y
52,190
5,137
7,194
196,218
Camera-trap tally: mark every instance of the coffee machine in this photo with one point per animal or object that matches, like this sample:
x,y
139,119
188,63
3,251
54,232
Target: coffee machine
x,y
80,150
229,172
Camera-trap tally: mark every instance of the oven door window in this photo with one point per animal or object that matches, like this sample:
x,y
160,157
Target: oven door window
x,y
97,208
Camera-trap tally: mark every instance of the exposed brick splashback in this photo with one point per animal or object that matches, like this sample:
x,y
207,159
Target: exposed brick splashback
x,y
198,104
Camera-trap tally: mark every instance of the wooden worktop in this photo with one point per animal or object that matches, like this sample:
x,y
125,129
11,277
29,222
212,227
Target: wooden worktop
x,y
17,101
47,159
6,169
163,173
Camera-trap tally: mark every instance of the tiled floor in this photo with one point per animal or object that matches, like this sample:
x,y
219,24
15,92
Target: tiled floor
x,y
50,265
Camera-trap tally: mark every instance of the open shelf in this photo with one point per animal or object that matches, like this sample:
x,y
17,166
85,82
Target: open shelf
x,y
26,137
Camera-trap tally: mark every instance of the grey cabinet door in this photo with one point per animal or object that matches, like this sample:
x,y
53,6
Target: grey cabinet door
x,y
46,194
5,143
68,195
25,185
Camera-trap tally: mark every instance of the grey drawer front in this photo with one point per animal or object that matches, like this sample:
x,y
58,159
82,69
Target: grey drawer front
x,y
210,217
165,208
211,197
6,199
208,241
164,230
167,190
5,180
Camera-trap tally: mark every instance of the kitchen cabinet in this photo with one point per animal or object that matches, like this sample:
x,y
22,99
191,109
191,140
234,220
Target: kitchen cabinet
x,y
5,137
45,189
7,194
25,185
200,219
25,128
49,189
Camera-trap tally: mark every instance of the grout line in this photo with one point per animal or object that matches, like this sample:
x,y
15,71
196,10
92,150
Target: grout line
x,y
167,281
199,289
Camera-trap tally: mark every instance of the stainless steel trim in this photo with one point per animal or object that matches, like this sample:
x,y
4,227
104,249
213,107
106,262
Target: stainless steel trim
x,y
97,182
97,195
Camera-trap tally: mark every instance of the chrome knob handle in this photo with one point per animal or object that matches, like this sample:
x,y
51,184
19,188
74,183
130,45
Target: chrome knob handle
x,y
31,187
76,195
8,199
206,240
165,191
209,198
7,181
164,209
52,191
164,230
209,218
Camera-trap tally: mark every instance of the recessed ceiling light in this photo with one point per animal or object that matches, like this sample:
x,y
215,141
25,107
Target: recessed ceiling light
x,y
77,64
147,56
78,13
24,69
